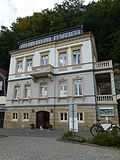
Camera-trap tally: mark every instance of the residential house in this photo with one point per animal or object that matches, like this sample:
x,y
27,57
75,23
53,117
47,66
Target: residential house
x,y
3,93
54,75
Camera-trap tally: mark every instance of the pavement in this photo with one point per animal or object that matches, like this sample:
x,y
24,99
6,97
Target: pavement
x,y
38,133
42,145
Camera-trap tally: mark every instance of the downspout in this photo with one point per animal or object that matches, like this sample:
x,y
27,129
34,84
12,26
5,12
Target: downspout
x,y
94,79
54,86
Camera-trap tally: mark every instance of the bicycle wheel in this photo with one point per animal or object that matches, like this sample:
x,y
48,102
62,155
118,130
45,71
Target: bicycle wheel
x,y
117,130
95,129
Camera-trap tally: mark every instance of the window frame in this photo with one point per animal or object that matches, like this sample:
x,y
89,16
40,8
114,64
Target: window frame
x,y
28,97
80,121
18,60
28,58
42,54
40,89
63,116
25,116
16,117
63,81
75,48
61,51
73,89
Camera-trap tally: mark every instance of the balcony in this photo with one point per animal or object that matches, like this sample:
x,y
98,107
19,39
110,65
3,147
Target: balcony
x,y
106,98
103,65
42,71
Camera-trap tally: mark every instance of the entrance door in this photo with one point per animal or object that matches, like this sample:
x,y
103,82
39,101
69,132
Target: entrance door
x,y
42,119
1,119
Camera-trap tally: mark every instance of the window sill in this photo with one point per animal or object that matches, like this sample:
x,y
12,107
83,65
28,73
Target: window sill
x,y
63,121
80,121
25,120
14,120
79,96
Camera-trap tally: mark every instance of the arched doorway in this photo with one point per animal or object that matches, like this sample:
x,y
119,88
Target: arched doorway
x,y
42,119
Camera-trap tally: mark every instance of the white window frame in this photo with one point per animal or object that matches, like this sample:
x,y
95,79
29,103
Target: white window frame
x,y
79,117
28,90
44,60
17,96
29,65
77,54
15,116
43,88
64,120
78,83
25,116
19,66
63,59
63,84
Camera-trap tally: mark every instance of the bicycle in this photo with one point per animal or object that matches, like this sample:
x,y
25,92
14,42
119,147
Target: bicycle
x,y
100,128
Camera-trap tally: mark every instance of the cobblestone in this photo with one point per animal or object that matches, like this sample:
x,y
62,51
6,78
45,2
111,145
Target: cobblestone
x,y
42,148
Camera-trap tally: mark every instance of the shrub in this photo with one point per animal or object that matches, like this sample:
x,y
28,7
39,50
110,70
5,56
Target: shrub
x,y
50,127
106,139
32,126
68,136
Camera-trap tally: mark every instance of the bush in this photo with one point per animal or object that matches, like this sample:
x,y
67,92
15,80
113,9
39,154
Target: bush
x,y
50,127
68,136
106,139
32,126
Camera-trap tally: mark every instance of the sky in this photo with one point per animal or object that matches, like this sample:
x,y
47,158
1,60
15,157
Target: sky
x,y
11,9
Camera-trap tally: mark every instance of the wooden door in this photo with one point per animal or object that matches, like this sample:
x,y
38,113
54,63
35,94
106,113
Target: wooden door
x,y
43,119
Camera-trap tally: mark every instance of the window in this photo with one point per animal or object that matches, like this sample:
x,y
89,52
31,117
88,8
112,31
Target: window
x,y
80,117
43,90
17,92
27,91
44,60
29,65
15,116
78,87
25,116
19,66
1,85
76,57
63,116
63,88
63,61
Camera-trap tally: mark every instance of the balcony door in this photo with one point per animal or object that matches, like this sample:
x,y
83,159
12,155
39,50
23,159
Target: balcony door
x,y
42,119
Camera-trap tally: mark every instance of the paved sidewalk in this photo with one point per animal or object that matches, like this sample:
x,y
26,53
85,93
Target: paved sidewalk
x,y
37,133
45,148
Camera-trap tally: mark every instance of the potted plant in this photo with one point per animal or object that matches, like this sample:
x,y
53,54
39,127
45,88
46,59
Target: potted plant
x,y
32,126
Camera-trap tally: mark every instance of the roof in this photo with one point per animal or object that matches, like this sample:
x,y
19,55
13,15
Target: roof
x,y
4,72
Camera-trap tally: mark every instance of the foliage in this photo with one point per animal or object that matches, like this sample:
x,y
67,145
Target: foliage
x,y
32,126
102,18
50,127
110,139
68,136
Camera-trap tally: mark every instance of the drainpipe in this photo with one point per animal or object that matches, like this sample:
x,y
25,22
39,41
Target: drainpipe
x,y
54,87
94,79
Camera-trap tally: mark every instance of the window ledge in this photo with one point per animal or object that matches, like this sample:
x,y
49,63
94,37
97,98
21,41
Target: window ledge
x,y
80,121
25,120
14,120
64,121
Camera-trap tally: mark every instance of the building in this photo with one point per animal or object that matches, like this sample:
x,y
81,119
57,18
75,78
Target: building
x,y
49,75
3,93
117,86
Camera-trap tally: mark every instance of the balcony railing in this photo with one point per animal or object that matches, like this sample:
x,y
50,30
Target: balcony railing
x,y
106,98
103,65
42,70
